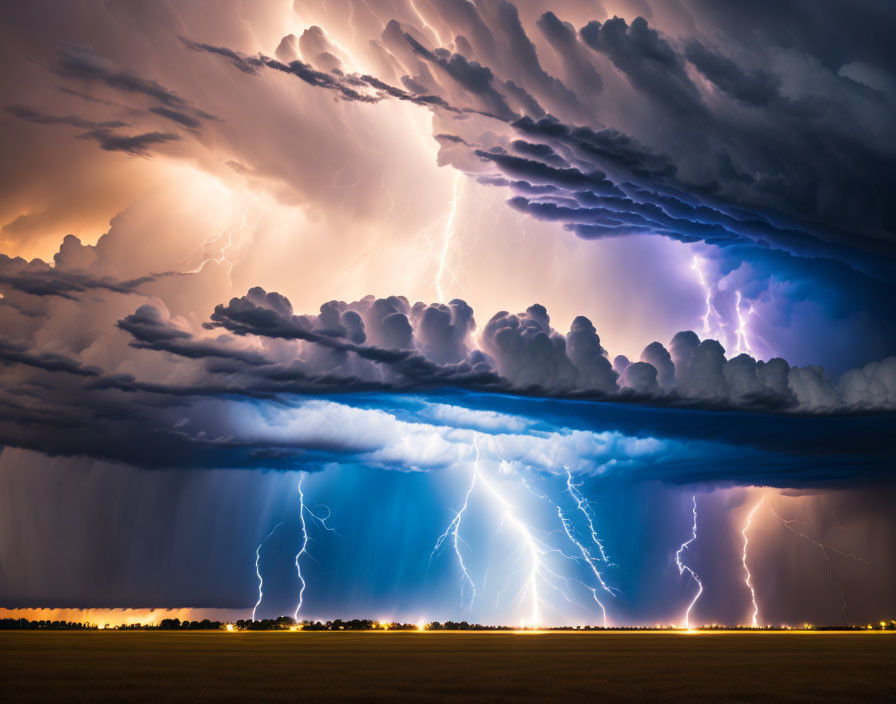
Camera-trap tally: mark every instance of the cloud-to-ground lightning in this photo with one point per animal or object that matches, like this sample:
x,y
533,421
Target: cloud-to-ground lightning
x,y
683,567
303,548
589,560
749,577
539,574
258,569
585,509
826,550
453,530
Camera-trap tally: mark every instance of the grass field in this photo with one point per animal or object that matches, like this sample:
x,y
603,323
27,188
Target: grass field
x,y
468,667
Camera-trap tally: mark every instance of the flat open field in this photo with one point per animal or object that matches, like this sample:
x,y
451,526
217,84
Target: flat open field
x,y
467,667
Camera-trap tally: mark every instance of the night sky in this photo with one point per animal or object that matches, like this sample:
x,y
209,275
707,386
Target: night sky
x,y
531,313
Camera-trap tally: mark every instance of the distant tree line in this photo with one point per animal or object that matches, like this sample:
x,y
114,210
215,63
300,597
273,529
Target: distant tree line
x,y
284,623
23,624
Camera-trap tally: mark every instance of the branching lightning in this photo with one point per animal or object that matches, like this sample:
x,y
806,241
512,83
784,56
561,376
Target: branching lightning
x,y
714,324
303,549
710,315
585,509
258,570
748,580
826,550
682,567
232,242
453,530
743,344
538,574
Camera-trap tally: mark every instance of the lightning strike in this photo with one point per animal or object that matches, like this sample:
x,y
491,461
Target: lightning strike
x,y
229,238
589,561
453,530
303,549
585,509
449,236
707,329
682,567
826,550
748,580
538,573
258,570
743,345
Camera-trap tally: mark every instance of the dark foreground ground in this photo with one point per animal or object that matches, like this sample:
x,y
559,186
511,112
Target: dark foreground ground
x,y
467,667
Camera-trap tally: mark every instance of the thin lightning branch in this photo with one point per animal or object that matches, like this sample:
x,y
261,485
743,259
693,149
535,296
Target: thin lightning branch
x,y
531,546
748,580
303,550
743,345
453,530
589,560
449,235
236,239
697,266
714,323
826,550
538,573
682,567
585,509
258,570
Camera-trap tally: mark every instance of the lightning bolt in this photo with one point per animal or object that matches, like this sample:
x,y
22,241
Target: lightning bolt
x,y
449,235
585,509
258,570
303,549
682,567
826,550
707,330
714,324
229,238
748,580
538,572
453,530
589,561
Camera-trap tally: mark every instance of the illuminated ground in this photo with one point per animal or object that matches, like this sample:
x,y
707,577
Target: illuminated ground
x,y
471,667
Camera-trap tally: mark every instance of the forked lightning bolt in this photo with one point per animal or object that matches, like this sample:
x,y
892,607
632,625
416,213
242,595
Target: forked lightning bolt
x,y
538,572
826,550
585,509
258,570
749,578
453,530
682,567
303,549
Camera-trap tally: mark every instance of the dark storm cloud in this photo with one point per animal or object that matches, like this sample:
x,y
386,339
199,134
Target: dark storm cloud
x,y
526,63
135,145
427,346
40,279
469,75
648,60
563,39
83,63
41,118
176,116
724,154
757,88
16,353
